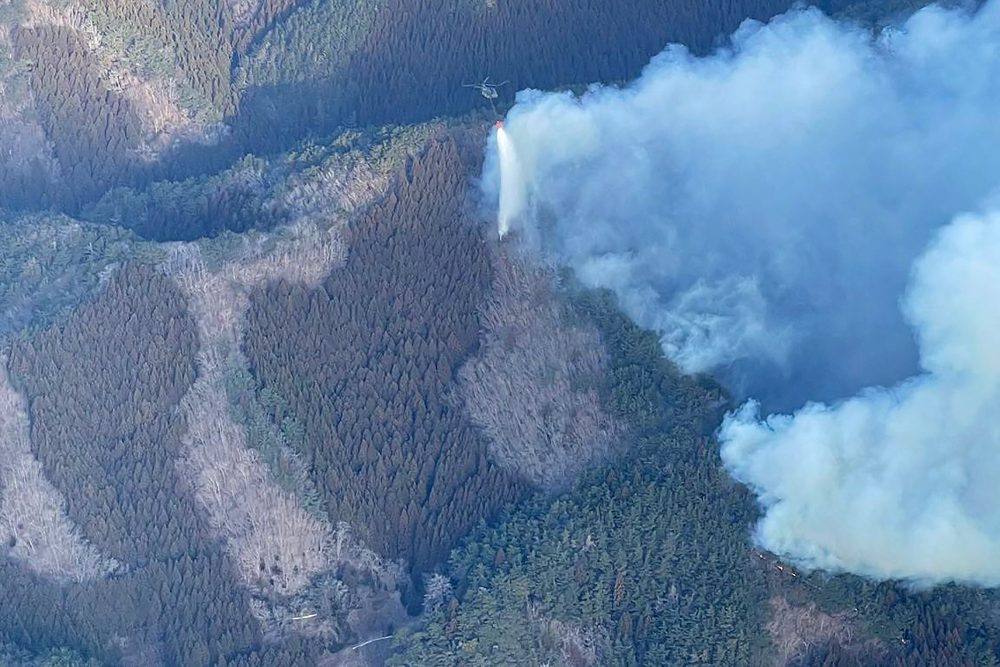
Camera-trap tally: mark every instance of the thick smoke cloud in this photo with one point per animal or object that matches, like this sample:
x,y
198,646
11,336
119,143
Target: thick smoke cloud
x,y
761,207
900,482
791,214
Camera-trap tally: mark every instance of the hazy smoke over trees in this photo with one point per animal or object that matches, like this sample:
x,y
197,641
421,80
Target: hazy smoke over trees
x,y
898,482
763,208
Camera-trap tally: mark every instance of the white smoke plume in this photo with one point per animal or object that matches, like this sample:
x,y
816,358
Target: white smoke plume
x,y
898,482
761,207
765,209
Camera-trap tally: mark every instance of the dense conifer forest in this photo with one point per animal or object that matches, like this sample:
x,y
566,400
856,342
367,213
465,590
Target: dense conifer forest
x,y
646,562
94,130
252,319
366,363
132,91
107,437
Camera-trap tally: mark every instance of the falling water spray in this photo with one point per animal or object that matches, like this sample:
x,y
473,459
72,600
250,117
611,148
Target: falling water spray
x,y
512,187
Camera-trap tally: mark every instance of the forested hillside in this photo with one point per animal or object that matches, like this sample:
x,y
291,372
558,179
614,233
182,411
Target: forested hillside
x,y
100,393
49,264
366,363
213,407
646,562
272,392
127,92
280,507
94,130
312,180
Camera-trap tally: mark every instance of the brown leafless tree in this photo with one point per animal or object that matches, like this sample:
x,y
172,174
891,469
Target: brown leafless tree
x,y
795,629
533,387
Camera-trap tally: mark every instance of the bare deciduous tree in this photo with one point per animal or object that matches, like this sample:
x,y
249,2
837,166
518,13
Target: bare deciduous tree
x,y
797,629
577,645
342,186
275,543
437,591
533,386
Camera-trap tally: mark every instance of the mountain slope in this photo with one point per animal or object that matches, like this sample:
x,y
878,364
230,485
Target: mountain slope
x,y
131,91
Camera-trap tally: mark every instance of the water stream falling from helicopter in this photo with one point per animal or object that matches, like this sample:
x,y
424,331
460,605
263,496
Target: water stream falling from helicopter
x,y
512,183
513,192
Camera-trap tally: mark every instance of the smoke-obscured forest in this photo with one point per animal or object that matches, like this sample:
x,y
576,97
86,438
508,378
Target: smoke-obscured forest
x,y
273,391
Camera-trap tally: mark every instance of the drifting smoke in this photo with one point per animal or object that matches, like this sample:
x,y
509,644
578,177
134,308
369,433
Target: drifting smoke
x,y
761,207
901,482
764,209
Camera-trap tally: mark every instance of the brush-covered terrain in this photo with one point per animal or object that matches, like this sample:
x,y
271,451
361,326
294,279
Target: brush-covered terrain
x,y
273,393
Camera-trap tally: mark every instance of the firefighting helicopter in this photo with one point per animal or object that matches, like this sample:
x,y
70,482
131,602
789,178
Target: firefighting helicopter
x,y
486,89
